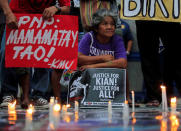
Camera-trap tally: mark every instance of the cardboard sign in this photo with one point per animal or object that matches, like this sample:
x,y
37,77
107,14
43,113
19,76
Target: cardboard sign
x,y
161,10
96,87
45,44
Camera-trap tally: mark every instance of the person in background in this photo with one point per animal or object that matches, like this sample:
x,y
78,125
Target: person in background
x,y
124,31
48,8
10,77
89,7
2,27
149,34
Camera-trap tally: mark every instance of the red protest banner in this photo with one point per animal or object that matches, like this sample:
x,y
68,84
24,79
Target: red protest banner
x,y
44,44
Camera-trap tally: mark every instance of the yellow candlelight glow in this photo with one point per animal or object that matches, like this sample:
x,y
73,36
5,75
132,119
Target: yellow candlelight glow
x,y
56,107
160,117
12,112
30,109
76,116
51,100
163,125
134,119
162,87
173,101
76,106
67,118
126,102
64,108
12,106
174,122
12,117
68,105
109,102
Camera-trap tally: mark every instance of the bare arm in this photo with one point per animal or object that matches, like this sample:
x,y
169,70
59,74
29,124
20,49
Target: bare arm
x,y
52,10
11,20
65,10
118,63
87,60
129,46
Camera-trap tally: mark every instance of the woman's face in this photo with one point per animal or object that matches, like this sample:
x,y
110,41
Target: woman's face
x,y
107,27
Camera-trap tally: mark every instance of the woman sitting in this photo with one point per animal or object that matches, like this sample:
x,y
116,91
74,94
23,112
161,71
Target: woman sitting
x,y
102,48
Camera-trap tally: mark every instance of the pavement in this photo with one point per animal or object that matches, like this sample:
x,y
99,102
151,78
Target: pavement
x,y
142,118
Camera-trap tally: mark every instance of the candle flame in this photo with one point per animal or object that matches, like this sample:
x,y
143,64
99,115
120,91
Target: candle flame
x,y
56,107
132,92
52,100
30,110
173,100
11,106
68,105
162,86
126,102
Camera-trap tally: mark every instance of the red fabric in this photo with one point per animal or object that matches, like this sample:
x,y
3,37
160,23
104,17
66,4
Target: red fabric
x,y
34,6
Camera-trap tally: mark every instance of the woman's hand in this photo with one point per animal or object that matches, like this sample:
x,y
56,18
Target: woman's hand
x,y
107,58
86,67
49,12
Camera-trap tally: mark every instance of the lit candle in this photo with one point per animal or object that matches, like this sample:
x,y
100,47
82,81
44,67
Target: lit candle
x,y
64,108
133,101
164,99
30,109
109,112
12,106
68,105
76,109
173,105
56,114
66,116
29,113
125,114
51,104
12,112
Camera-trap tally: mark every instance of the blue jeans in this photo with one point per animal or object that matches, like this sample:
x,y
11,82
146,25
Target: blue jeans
x,y
39,82
2,46
8,76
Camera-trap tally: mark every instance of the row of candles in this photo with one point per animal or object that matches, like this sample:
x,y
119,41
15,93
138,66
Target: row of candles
x,y
173,101
54,114
55,108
